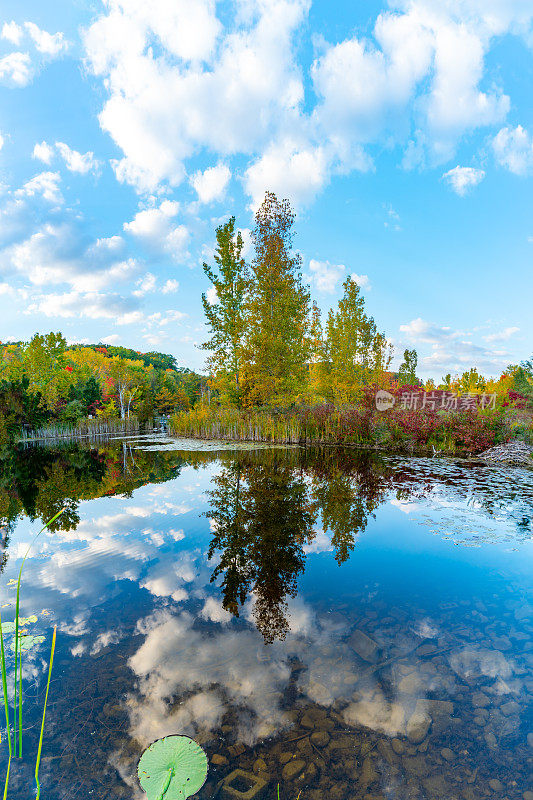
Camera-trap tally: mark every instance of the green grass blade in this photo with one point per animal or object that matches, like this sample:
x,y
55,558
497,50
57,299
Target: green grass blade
x,y
7,777
6,703
20,704
38,760
45,526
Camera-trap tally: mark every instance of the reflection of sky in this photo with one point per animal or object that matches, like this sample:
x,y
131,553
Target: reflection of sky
x,y
193,663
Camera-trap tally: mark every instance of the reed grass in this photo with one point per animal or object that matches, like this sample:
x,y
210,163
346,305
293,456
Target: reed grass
x,y
17,692
84,429
38,759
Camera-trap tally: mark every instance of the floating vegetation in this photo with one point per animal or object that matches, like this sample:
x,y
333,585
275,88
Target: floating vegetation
x,y
172,768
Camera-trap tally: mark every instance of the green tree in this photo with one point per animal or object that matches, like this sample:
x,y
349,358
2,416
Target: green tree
x,y
470,382
225,316
45,365
19,407
355,353
407,371
277,350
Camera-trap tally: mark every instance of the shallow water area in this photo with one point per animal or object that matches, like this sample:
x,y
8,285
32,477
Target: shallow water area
x,y
342,623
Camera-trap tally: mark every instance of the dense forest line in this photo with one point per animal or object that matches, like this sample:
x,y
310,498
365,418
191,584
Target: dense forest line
x,y
45,380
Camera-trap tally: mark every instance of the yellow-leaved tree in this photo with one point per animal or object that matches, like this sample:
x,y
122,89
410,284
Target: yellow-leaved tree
x,y
277,343
356,354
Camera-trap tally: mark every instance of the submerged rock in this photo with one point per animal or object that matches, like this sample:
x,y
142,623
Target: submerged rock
x,y
293,769
419,723
365,647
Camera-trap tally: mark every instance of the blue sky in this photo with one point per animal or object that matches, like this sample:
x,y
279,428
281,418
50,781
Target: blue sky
x,y
402,133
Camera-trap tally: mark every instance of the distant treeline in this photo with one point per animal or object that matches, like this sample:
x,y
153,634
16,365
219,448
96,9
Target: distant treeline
x,y
46,381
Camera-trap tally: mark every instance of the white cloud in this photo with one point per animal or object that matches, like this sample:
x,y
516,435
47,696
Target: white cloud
x,y
113,338
513,148
75,161
214,611
1,141
418,81
289,170
149,89
451,351
419,330
171,285
16,69
92,305
156,227
12,32
501,336
45,185
145,285
363,281
462,179
43,152
211,184
212,296
50,44
57,253
325,276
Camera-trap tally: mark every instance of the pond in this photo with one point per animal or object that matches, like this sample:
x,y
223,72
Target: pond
x,y
345,624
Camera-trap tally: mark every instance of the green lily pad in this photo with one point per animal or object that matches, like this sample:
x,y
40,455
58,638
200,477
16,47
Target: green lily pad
x,y
172,768
8,627
25,620
27,642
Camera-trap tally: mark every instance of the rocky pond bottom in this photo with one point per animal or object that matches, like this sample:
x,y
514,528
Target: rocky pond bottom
x,y
341,624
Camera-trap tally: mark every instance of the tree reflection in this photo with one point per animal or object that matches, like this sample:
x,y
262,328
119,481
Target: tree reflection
x,y
262,517
37,482
263,513
347,487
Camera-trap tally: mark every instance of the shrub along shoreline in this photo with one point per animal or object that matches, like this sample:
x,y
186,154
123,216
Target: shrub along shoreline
x,y
457,433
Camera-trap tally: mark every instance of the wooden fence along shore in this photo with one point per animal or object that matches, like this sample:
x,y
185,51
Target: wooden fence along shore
x,y
86,429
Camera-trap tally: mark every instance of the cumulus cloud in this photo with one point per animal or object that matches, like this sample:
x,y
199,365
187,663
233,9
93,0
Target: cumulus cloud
x,y
156,227
417,80
43,152
16,69
171,285
451,351
91,305
45,185
462,179
75,161
12,32
145,285
52,255
230,83
211,184
325,276
513,148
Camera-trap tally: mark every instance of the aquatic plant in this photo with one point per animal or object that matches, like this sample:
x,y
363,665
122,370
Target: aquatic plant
x,y
467,431
172,768
21,643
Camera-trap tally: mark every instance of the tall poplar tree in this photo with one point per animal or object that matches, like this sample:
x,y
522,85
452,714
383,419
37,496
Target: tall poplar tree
x,y
356,354
225,316
278,345
407,370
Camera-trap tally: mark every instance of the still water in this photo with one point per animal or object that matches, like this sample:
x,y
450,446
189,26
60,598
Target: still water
x,y
343,624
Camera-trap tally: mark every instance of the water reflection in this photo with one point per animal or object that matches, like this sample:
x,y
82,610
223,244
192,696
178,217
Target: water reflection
x,y
289,609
